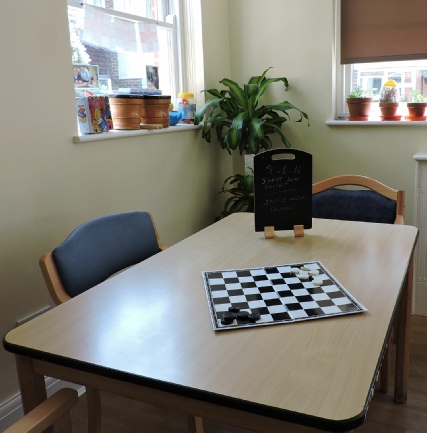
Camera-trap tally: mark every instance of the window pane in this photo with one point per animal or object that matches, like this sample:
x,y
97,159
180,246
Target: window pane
x,y
410,77
128,55
143,8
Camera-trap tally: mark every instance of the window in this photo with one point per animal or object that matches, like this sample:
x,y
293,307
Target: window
x,y
379,42
410,77
125,46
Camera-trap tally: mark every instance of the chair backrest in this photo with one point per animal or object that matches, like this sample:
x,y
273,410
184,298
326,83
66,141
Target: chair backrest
x,y
375,203
55,411
98,249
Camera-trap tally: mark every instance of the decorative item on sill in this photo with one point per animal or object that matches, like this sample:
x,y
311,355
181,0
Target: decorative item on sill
x,y
126,111
359,104
140,111
174,117
93,114
389,101
416,108
186,106
155,110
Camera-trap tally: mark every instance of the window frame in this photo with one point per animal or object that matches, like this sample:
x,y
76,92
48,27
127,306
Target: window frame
x,y
184,16
343,80
169,23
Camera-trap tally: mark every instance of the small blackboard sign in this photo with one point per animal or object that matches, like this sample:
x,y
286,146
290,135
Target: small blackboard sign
x,y
282,187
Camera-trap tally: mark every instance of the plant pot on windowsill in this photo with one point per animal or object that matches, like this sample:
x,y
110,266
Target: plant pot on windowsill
x,y
416,110
389,97
359,108
389,110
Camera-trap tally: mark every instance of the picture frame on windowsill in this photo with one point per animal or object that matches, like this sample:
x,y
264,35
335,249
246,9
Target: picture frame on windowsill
x,y
86,76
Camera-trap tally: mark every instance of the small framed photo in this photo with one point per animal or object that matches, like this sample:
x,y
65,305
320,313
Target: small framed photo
x,y
105,85
152,77
86,76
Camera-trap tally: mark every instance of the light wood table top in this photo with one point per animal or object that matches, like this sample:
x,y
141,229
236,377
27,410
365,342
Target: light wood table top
x,y
150,325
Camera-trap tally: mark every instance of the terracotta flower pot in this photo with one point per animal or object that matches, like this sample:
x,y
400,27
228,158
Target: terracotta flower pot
x,y
359,108
389,110
416,110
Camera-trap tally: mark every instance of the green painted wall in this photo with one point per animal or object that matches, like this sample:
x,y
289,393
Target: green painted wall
x,y
48,185
296,38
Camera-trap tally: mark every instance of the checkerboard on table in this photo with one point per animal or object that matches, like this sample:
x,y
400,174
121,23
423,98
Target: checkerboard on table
x,y
275,295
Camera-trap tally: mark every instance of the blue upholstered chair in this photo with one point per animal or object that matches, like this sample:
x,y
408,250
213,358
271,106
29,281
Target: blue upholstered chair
x,y
55,412
98,249
376,202
371,201
92,253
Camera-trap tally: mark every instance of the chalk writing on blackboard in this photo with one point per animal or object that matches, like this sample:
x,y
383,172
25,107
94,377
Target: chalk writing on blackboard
x,y
283,203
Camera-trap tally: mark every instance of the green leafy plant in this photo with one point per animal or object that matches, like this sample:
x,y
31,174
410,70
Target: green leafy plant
x,y
240,123
359,93
417,96
241,188
238,120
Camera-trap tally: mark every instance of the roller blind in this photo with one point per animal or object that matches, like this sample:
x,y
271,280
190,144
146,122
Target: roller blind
x,y
383,30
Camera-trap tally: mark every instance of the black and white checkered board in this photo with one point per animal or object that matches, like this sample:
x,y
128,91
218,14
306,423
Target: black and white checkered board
x,y
277,294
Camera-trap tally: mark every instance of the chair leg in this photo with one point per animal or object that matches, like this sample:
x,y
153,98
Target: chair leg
x,y
195,424
385,369
395,328
63,425
94,410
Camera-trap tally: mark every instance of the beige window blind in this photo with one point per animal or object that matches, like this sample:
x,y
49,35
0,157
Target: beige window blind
x,y
383,30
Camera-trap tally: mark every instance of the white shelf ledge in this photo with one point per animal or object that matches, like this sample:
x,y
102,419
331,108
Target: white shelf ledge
x,y
375,123
420,156
115,133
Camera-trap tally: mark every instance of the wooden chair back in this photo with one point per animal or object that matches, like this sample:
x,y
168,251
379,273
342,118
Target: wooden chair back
x,y
98,249
397,196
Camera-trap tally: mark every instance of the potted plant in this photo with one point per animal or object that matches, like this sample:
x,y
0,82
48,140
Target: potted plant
x,y
359,104
416,108
240,189
240,123
389,101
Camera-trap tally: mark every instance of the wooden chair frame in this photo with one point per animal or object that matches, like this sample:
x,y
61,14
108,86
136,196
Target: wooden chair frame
x,y
393,194
55,411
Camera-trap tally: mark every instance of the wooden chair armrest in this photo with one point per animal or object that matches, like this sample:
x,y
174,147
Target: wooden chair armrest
x,y
56,409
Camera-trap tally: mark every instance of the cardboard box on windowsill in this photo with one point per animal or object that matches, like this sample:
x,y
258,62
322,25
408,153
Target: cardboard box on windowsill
x,y
93,114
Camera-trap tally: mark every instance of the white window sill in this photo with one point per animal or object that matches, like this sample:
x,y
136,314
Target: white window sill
x,y
111,135
375,123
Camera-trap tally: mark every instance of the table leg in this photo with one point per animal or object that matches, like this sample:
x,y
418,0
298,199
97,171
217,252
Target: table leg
x,y
403,338
32,385
385,368
195,424
93,397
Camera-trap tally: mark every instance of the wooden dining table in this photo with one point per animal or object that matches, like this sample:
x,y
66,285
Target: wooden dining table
x,y
147,332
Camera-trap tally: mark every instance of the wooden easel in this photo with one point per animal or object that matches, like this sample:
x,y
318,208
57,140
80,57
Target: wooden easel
x,y
269,231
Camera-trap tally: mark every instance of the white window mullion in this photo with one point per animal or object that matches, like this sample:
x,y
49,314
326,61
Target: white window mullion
x,y
177,55
192,49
